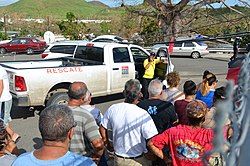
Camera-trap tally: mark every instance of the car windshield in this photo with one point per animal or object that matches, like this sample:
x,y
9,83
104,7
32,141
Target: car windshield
x,y
15,41
201,43
119,38
35,40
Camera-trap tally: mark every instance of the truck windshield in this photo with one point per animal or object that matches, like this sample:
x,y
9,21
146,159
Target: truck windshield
x,y
90,53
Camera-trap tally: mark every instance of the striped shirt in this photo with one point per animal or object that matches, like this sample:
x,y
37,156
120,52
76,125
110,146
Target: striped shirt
x,y
85,132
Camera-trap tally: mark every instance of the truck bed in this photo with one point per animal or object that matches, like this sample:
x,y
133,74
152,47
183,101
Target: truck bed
x,y
62,62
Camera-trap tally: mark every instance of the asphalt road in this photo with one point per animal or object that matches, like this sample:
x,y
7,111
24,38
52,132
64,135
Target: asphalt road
x,y
25,120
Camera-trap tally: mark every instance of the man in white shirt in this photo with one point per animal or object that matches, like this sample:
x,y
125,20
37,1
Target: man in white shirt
x,y
6,103
5,96
131,126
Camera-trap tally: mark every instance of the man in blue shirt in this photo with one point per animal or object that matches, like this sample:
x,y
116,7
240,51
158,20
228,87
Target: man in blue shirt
x,y
56,125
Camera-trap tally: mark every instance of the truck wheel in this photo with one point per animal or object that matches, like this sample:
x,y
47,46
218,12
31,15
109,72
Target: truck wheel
x,y
2,51
58,98
195,55
30,51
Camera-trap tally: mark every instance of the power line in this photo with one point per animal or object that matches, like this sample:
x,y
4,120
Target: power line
x,y
218,23
240,34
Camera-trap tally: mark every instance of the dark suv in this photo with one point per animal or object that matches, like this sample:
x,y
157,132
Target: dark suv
x,y
23,45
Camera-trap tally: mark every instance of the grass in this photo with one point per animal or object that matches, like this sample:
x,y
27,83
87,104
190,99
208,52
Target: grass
x,y
57,9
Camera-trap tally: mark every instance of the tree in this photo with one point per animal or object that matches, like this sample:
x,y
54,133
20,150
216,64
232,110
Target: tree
x,y
175,19
71,28
1,25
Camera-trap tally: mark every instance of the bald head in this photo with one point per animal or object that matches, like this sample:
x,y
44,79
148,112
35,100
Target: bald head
x,y
77,90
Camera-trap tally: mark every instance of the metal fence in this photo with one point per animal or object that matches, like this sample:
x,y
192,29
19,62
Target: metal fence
x,y
236,108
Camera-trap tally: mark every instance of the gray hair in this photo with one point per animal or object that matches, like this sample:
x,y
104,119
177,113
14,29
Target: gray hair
x,y
155,88
55,121
87,95
132,90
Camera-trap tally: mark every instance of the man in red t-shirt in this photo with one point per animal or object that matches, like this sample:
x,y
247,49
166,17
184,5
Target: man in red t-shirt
x,y
187,143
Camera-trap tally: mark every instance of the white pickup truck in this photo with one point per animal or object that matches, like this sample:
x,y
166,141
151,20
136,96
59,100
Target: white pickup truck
x,y
104,67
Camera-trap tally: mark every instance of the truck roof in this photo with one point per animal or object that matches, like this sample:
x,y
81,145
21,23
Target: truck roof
x,y
84,43
103,44
69,41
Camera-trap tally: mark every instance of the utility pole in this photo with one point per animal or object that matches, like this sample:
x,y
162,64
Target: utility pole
x,y
5,24
48,23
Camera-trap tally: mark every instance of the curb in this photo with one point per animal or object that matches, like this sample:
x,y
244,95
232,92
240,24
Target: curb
x,y
218,58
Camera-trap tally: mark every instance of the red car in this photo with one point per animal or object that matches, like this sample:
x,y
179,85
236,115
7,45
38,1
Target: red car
x,y
21,45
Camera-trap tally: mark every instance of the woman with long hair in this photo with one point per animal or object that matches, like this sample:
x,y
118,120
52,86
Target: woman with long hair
x,y
206,91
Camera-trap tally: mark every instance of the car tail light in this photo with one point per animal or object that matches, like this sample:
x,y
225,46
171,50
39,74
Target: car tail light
x,y
20,84
44,55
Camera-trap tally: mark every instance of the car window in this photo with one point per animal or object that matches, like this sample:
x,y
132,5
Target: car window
x,y
138,52
189,44
178,44
15,41
103,40
66,49
121,54
23,41
90,53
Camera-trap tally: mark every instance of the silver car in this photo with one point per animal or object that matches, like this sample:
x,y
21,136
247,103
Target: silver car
x,y
109,39
192,49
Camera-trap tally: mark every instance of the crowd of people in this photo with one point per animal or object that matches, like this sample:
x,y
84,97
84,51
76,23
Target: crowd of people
x,y
166,127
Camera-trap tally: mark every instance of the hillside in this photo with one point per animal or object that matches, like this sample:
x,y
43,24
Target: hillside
x,y
98,3
58,9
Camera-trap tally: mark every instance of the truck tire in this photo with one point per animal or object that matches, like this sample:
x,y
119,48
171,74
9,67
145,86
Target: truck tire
x,y
58,98
195,55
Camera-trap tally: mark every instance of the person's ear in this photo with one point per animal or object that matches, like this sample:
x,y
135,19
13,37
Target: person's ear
x,y
71,133
140,95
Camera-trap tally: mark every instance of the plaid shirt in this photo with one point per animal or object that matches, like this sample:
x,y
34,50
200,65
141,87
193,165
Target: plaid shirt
x,y
85,132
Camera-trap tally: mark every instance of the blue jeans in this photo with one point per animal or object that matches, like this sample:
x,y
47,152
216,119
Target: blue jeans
x,y
5,108
103,161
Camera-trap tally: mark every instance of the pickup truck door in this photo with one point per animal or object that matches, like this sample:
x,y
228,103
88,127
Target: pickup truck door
x,y
96,75
139,56
122,68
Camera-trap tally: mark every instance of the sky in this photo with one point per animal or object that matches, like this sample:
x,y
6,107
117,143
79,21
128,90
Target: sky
x,y
114,3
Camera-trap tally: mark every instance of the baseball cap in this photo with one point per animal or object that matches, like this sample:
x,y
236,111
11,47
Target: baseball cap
x,y
196,109
152,54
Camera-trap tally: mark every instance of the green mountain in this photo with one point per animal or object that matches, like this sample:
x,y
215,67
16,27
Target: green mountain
x,y
58,8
